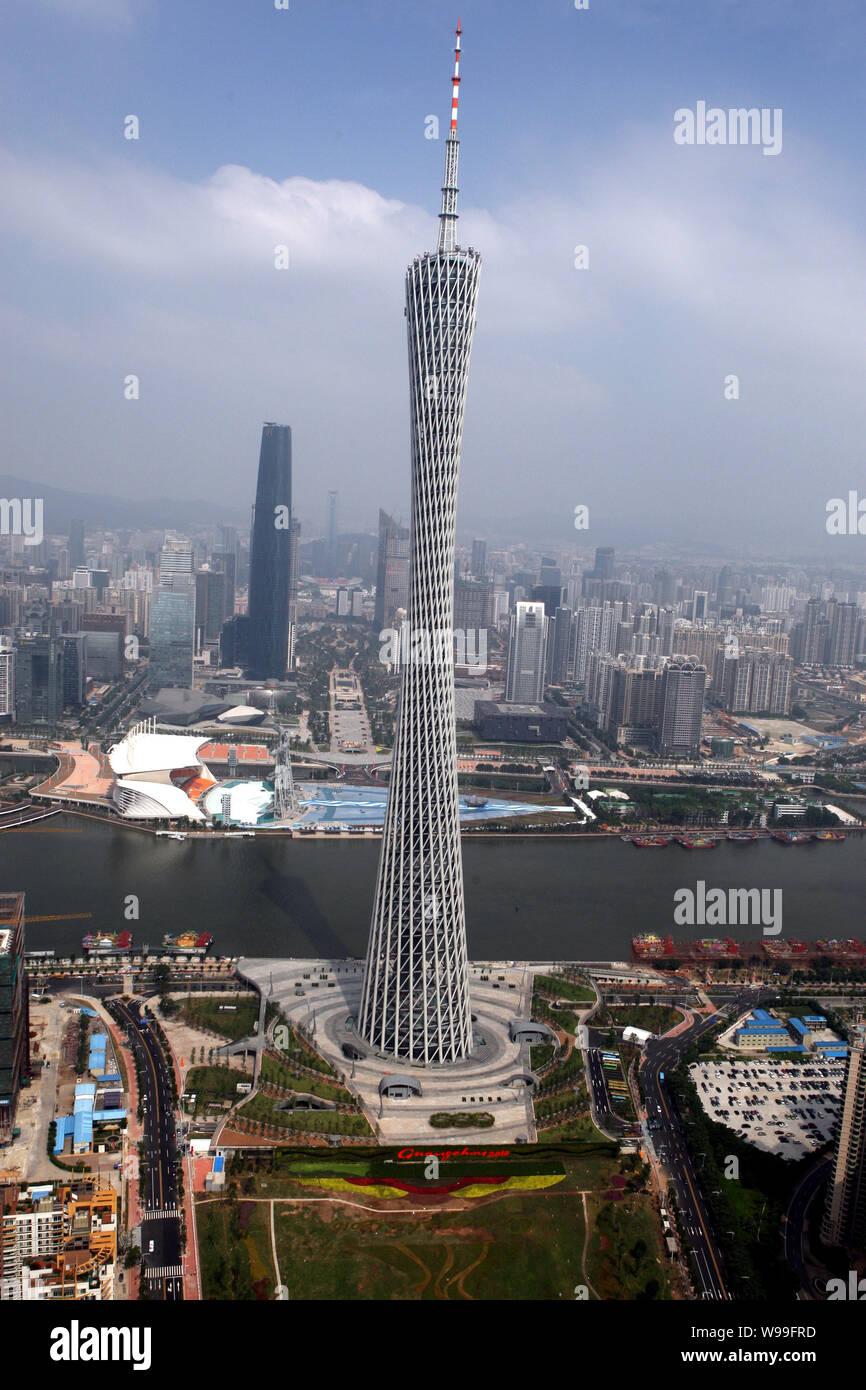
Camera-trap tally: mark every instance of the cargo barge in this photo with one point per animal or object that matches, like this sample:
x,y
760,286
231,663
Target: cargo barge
x,y
696,841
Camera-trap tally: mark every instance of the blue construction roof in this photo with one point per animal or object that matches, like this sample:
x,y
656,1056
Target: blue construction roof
x,y
794,1047
219,1163
750,1028
90,1013
814,1018
761,1016
835,1052
99,1041
63,1131
798,1026
827,1046
110,1076
85,1089
109,1115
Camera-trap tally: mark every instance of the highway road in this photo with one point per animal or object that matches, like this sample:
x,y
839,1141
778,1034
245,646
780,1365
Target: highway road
x,y
661,1055
161,1222
795,1219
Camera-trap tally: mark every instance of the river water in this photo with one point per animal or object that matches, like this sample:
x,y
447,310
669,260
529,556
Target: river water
x,y
529,898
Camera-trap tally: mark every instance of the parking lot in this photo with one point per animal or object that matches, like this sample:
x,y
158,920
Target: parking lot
x,y
787,1108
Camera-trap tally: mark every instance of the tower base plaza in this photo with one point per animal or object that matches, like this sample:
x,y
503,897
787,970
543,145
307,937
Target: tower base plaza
x,y
322,999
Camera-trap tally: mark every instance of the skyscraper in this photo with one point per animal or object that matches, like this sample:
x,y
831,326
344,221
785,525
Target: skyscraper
x,y
415,1001
682,706
270,558
392,574
527,646
14,1008
76,543
845,1215
479,558
172,633
331,546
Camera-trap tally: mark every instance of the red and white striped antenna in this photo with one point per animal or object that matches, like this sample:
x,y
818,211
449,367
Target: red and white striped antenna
x,y
456,91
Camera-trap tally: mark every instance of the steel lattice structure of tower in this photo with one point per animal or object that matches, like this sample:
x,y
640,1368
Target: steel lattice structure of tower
x,y
415,1002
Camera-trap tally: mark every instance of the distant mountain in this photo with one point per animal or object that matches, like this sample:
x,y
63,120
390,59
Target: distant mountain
x,y
102,512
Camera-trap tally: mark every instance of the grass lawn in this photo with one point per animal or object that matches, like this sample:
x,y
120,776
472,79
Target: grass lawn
x,y
210,1085
264,1108
626,1259
656,1018
235,1251
295,1081
564,989
209,1013
515,1248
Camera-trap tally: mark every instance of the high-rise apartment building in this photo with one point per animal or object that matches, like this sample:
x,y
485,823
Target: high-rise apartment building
x,y
415,1000
682,705
527,650
270,588
844,1222
7,680
14,1009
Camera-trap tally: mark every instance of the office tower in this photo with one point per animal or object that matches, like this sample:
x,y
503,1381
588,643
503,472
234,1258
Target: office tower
x,y
845,1215
271,557
76,543
73,646
343,602
7,680
527,646
548,594
172,633
81,579
106,634
229,539
415,1001
210,605
235,641
550,576
479,559
473,604
331,544
682,706
605,557
175,557
14,1009
38,679
699,605
226,562
392,574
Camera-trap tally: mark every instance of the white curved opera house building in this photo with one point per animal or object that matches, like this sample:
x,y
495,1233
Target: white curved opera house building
x,y
159,776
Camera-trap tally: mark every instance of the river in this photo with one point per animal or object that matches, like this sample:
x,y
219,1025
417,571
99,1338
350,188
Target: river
x,y
528,898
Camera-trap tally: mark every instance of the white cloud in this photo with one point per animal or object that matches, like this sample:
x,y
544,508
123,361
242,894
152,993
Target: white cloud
x,y
702,262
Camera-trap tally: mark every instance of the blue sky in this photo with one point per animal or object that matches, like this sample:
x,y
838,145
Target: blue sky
x,y
307,126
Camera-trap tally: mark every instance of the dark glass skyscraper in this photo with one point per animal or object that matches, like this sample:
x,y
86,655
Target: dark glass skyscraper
x,y
271,556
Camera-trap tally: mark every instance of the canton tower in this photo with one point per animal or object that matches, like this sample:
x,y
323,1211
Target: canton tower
x,y
415,1002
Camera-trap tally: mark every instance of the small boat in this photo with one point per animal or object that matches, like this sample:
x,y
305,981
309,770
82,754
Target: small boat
x,y
650,841
829,834
475,803
697,841
741,837
791,837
